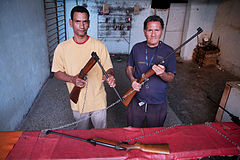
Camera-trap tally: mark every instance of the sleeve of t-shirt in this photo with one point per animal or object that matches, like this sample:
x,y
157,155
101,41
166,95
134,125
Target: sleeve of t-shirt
x,y
106,60
58,63
130,61
171,66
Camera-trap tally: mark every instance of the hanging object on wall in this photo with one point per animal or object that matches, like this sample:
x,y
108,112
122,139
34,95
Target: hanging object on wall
x,y
84,4
100,12
136,9
106,9
115,27
106,20
121,27
128,20
163,5
127,12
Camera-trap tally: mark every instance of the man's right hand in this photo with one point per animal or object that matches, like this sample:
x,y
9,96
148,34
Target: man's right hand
x,y
72,79
136,86
78,82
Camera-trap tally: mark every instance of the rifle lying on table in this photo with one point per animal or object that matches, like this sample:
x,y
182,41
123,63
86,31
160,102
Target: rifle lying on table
x,y
153,148
130,93
76,90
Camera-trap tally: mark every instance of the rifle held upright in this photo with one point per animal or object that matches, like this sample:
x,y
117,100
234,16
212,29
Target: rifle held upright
x,y
74,95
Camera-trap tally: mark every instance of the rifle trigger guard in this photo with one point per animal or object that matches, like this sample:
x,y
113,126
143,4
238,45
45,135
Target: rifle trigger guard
x,y
118,147
93,142
145,79
83,75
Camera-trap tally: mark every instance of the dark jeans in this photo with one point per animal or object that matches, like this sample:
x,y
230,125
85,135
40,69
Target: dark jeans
x,y
154,114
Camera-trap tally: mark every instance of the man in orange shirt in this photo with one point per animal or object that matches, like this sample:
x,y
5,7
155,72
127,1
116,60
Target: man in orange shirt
x,y
70,57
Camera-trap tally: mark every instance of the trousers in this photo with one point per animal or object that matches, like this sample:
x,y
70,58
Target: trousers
x,y
153,114
98,119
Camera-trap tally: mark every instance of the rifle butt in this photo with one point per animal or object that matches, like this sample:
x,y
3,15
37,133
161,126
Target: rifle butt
x,y
127,98
154,148
74,95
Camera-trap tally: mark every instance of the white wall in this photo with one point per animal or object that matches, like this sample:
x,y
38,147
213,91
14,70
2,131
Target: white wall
x,y
199,13
174,16
175,24
24,65
227,27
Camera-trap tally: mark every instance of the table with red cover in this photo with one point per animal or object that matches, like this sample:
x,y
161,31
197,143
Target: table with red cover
x,y
188,142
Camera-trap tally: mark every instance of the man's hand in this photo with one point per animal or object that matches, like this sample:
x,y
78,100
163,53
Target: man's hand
x,y
78,81
68,78
110,80
136,86
158,69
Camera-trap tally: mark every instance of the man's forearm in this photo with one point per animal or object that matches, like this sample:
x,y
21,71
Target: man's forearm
x,y
64,77
167,76
110,71
129,72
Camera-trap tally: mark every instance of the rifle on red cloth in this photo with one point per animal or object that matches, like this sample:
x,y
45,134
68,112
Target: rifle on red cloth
x,y
153,148
76,90
130,93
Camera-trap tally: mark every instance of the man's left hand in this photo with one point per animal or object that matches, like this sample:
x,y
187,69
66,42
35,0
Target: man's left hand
x,y
158,69
110,80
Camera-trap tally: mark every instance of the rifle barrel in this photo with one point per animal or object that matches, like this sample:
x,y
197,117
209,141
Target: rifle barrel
x,y
184,43
65,135
234,118
105,73
92,141
218,105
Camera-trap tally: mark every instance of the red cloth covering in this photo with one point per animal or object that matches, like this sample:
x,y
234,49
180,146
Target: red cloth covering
x,y
191,141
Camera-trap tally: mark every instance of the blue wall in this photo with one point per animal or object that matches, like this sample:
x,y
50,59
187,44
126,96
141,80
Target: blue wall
x,y
24,65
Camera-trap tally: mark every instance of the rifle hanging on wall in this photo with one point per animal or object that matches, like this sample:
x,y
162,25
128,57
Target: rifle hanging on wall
x,y
130,93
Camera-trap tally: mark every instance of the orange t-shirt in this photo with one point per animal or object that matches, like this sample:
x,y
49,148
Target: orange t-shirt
x,y
70,57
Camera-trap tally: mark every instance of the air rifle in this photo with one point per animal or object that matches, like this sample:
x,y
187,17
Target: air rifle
x,y
153,148
234,118
106,75
130,93
76,90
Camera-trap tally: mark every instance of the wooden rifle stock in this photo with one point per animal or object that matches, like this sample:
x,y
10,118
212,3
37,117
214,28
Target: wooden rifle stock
x,y
130,93
152,148
74,95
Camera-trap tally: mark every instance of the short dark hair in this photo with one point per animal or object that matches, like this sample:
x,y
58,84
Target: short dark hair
x,y
79,9
153,19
